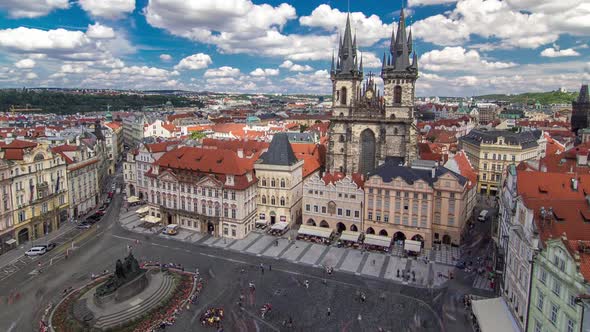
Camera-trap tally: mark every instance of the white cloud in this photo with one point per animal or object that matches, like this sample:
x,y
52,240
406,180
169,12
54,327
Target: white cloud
x,y
555,52
514,23
41,41
370,60
369,30
224,71
412,3
111,9
265,72
194,62
31,76
32,8
99,31
458,59
287,64
25,64
165,57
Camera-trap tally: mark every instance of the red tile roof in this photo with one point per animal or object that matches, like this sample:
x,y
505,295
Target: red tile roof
x,y
332,178
18,144
161,146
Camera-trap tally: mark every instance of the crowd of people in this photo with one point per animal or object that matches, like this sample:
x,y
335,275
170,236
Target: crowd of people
x,y
212,317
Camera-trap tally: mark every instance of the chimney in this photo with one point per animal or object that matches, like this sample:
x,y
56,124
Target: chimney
x,y
544,168
582,159
241,153
433,173
574,184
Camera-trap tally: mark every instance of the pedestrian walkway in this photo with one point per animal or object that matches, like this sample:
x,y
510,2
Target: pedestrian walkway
x,y
482,283
423,270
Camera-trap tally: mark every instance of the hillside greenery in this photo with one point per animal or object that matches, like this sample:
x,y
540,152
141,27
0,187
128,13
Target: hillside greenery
x,y
544,98
67,103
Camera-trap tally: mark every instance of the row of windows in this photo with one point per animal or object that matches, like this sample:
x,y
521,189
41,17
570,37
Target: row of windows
x,y
273,182
333,210
553,314
273,200
498,156
340,195
208,192
398,219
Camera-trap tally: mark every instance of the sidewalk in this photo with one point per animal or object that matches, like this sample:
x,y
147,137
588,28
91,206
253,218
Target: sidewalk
x,y
19,251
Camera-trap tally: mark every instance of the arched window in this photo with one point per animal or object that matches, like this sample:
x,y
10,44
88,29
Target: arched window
x,y
264,182
273,183
395,131
341,138
282,201
397,94
343,96
282,183
272,200
263,199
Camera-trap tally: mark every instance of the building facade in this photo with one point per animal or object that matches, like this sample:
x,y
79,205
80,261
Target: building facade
x,y
133,127
7,238
130,173
207,192
490,152
147,155
334,201
82,174
280,186
424,202
558,286
39,189
365,129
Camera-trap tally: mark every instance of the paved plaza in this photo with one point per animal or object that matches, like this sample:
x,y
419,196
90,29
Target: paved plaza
x,y
430,269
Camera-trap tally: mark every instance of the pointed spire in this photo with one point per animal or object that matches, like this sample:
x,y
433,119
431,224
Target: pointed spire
x,y
332,68
354,44
384,63
347,56
402,54
410,42
415,61
361,66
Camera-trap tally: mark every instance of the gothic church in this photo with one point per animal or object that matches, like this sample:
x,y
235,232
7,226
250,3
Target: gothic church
x,y
367,128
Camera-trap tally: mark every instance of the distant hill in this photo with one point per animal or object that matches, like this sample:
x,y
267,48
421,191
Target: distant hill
x,y
545,98
67,103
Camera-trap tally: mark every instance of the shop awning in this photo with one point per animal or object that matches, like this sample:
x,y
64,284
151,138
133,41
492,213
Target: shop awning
x,y
377,240
315,231
411,245
143,210
261,222
151,219
350,236
133,199
11,241
280,226
493,315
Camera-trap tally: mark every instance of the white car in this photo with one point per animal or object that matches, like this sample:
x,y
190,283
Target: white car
x,y
36,251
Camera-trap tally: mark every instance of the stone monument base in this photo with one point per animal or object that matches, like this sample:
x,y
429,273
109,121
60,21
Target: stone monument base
x,y
124,292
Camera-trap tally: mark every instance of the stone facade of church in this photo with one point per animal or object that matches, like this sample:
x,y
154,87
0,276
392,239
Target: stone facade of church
x,y
367,128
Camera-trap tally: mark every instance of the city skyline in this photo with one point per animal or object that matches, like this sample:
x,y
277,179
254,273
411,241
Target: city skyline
x,y
465,47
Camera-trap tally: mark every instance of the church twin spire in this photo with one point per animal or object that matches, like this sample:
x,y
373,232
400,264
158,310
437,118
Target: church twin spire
x,y
347,63
400,49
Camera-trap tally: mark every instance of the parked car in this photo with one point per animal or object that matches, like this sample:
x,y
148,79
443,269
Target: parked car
x,y
103,208
36,251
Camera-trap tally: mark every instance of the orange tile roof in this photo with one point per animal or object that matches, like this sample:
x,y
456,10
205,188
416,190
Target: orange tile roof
x,y
113,125
161,146
357,178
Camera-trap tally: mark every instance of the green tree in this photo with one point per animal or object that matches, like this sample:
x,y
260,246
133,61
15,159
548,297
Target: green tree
x,y
198,135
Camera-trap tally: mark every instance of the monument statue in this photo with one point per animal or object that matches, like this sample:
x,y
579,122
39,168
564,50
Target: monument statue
x,y
124,273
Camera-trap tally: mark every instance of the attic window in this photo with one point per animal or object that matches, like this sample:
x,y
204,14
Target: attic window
x,y
557,216
585,215
543,189
219,161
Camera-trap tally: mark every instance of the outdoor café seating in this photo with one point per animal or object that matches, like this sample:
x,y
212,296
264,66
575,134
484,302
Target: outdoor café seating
x,y
279,228
350,239
377,242
315,234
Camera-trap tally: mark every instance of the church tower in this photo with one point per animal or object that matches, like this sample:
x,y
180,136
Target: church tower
x,y
366,128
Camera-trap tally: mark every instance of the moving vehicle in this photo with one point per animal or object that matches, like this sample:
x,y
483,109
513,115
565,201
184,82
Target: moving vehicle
x,y
84,225
48,247
36,251
483,215
171,229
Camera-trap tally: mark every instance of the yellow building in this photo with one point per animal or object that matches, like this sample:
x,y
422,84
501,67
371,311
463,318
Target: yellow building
x,y
38,189
490,151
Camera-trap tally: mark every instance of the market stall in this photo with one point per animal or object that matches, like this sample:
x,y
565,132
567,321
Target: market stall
x,y
350,239
142,210
377,242
279,228
315,234
492,315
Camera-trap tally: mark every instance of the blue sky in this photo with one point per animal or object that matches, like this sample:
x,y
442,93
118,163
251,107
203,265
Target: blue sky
x,y
465,47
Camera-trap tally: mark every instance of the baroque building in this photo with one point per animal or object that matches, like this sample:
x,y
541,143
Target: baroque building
x,y
366,127
581,110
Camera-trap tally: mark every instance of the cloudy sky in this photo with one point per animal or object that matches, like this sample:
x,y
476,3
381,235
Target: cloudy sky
x,y
465,47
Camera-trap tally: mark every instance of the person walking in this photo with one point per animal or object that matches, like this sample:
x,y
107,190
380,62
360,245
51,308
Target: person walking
x,y
269,267
328,312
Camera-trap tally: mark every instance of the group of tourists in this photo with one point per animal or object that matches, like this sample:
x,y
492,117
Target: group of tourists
x,y
212,317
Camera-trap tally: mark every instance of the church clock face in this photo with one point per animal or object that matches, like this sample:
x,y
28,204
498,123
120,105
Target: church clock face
x,y
369,94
